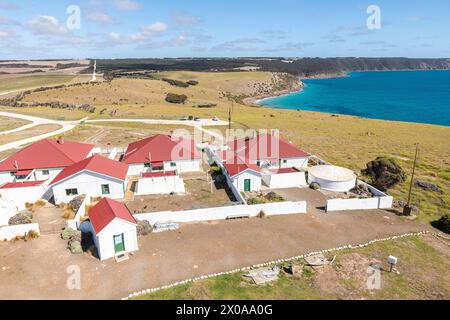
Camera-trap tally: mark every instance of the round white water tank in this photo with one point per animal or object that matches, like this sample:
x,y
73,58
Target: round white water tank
x,y
332,178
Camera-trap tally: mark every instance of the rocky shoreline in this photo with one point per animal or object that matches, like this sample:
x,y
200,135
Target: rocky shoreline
x,y
294,87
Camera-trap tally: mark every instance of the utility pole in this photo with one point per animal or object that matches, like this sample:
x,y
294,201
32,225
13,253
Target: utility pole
x,y
229,119
407,209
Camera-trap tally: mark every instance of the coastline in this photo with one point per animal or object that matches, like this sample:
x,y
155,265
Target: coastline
x,y
296,87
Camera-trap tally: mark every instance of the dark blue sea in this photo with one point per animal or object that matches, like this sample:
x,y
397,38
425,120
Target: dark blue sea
x,y
413,96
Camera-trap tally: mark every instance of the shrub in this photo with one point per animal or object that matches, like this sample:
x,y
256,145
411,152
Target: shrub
x,y
255,201
19,219
384,172
75,247
68,233
176,98
175,83
315,186
192,82
144,228
444,223
274,197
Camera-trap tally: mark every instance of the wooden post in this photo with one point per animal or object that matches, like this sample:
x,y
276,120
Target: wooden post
x,y
407,209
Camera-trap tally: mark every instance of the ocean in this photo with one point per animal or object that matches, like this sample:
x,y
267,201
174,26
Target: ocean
x,y
412,96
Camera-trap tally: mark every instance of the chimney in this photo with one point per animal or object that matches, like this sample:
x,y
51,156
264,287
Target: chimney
x,y
61,140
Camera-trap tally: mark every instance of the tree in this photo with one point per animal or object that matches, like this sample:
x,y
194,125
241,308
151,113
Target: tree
x,y
384,172
176,98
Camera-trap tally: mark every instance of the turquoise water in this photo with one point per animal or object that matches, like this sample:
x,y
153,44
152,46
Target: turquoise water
x,y
413,96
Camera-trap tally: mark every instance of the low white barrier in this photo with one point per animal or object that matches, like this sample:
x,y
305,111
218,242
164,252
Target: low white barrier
x,y
10,232
222,213
380,201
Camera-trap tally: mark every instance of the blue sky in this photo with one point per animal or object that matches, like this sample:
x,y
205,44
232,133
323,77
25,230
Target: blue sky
x,y
215,28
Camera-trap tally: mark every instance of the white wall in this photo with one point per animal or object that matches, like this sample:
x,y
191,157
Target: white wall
x,y
301,163
89,183
359,204
6,177
10,232
160,185
135,169
21,196
222,213
183,166
8,209
255,178
285,180
105,239
39,176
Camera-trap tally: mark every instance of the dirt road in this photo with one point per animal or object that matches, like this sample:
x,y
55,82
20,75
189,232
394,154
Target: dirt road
x,y
38,269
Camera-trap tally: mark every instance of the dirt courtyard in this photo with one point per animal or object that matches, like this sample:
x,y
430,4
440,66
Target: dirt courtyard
x,y
38,269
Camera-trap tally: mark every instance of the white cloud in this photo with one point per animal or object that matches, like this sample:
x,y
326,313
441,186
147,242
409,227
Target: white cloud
x,y
184,18
127,5
47,25
244,44
5,34
7,21
99,17
146,32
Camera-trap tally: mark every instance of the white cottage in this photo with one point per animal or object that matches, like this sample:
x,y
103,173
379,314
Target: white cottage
x,y
43,160
21,193
113,229
162,153
245,177
96,176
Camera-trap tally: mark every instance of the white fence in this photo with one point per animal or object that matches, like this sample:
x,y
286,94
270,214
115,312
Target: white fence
x,y
10,232
223,213
380,201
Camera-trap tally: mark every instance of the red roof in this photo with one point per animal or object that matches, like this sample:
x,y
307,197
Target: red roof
x,y
46,154
285,170
104,212
159,174
263,147
237,165
161,148
96,164
25,184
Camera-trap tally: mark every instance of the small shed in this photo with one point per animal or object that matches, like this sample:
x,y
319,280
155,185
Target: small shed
x,y
332,178
245,177
21,193
113,229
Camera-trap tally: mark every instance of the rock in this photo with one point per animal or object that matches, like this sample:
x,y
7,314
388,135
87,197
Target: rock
x,y
75,204
297,271
427,186
362,190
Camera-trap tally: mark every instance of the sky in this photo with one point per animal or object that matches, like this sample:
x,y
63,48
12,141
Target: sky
x,y
56,29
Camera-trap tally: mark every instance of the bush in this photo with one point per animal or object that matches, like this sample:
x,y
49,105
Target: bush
x,y
444,223
68,233
176,83
255,201
192,82
315,186
384,172
274,197
176,98
75,247
144,228
19,219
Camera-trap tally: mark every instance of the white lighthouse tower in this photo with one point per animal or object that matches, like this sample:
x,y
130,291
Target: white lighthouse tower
x,y
94,75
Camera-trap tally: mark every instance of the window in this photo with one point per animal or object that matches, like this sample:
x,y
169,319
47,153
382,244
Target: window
x,y
284,161
45,172
173,164
258,163
147,165
159,168
12,173
105,189
72,192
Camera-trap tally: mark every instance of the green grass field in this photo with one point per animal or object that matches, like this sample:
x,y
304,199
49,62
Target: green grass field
x,y
23,82
423,275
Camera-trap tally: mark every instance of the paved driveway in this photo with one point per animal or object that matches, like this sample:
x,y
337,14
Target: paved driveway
x,y
316,200
38,269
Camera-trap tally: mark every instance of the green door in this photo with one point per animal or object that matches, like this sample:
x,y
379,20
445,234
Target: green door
x,y
247,185
119,244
